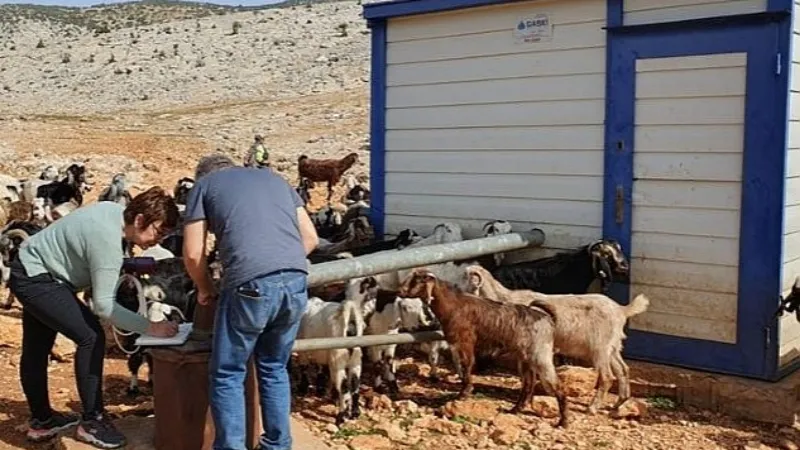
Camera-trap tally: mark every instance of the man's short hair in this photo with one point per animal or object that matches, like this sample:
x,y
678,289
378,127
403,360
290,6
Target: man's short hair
x,y
212,163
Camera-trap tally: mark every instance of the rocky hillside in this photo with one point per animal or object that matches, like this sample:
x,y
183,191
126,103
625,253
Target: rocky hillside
x,y
155,56
148,87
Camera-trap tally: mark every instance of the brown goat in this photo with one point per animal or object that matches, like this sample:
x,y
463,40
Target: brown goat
x,y
473,325
589,327
319,170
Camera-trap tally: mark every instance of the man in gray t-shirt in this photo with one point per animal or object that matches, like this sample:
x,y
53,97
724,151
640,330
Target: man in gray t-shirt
x,y
263,235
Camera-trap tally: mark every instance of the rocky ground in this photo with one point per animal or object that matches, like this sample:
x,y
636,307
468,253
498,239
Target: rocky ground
x,y
148,89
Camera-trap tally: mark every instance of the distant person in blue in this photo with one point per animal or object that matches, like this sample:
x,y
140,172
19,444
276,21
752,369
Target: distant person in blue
x,y
264,235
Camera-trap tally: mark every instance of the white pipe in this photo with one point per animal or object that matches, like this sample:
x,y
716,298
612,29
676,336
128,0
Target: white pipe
x,y
375,263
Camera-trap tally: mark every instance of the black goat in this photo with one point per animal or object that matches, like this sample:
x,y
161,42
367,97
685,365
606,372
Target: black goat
x,y
71,187
169,285
403,239
182,189
13,235
358,194
303,190
116,191
569,272
317,258
791,304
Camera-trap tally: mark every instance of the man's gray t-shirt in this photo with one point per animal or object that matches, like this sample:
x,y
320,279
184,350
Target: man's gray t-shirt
x,y
253,215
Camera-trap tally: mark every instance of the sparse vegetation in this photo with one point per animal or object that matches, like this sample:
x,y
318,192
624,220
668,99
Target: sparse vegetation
x,y
106,18
662,402
342,28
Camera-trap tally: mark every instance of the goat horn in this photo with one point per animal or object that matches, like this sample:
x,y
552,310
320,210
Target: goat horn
x,y
17,233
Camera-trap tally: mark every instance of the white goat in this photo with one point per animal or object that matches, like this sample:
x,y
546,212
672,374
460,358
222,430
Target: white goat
x,y
388,314
328,319
10,188
588,327
63,209
41,212
442,234
50,173
158,252
497,228
449,271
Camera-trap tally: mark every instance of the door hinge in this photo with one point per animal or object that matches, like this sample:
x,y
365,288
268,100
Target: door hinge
x,y
619,205
778,64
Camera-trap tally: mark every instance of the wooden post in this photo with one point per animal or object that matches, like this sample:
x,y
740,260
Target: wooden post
x,y
181,392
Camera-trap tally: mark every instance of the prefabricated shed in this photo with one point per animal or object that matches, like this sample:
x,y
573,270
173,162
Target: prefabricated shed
x,y
669,125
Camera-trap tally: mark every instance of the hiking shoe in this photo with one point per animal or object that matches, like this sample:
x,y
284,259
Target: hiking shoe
x,y
43,430
100,432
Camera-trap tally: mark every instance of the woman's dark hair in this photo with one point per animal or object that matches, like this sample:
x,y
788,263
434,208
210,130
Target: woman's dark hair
x,y
154,205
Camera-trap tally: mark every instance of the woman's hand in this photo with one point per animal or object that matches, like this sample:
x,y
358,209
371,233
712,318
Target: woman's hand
x,y
165,328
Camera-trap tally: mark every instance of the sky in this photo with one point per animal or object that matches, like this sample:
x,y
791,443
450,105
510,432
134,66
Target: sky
x,y
96,2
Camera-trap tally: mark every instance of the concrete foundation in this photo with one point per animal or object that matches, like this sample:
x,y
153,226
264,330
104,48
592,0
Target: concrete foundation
x,y
761,401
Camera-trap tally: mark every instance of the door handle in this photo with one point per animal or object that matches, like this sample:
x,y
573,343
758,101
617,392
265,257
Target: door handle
x,y
619,203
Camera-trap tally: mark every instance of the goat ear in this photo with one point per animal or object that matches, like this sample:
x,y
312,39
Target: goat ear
x,y
475,279
367,283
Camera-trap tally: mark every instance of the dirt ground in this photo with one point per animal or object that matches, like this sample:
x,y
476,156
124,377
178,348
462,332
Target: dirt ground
x,y
422,416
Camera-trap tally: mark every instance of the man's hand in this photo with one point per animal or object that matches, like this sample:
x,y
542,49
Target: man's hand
x,y
165,328
205,297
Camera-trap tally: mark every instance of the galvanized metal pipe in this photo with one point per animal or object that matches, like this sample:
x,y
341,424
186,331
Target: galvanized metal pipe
x,y
385,261
305,345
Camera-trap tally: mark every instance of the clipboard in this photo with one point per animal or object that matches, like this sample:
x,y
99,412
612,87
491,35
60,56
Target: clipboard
x,y
179,339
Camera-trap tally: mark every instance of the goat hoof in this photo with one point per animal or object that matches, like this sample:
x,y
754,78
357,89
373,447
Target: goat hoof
x,y
393,387
434,378
564,422
514,410
591,410
7,306
132,392
619,404
340,419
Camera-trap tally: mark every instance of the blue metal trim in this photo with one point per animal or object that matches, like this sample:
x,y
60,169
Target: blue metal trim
x,y
614,14
398,8
377,128
734,20
779,5
762,188
785,48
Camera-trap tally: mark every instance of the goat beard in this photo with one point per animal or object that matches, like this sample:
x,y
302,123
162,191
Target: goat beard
x,y
605,274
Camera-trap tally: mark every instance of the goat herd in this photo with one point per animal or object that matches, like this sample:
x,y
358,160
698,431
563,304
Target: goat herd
x,y
523,316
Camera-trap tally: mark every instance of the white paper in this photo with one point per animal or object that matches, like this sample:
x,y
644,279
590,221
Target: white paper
x,y
179,339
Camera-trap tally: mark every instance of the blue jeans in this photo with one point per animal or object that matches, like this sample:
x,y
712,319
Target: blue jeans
x,y
260,317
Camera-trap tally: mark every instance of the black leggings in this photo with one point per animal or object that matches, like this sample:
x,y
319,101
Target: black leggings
x,y
49,307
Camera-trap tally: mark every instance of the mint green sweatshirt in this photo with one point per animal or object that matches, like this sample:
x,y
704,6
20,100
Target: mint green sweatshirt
x,y
84,248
